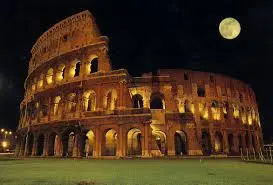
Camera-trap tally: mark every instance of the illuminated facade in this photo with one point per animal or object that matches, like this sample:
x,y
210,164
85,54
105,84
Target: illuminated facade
x,y
75,104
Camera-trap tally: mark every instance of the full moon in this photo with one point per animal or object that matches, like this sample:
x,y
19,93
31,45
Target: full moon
x,y
229,28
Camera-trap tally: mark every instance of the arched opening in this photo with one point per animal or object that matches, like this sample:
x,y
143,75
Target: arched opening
x,y
134,142
110,99
159,144
206,143
40,82
71,103
77,69
51,144
60,73
180,140
56,102
137,101
253,141
157,101
201,92
247,140
110,143
49,76
215,110
218,145
188,107
94,65
68,141
40,145
30,138
43,111
240,142
87,143
230,143
89,101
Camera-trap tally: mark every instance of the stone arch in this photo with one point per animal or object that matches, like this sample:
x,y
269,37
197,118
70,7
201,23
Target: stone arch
x,y
71,102
247,140
89,100
75,68
180,141
51,144
159,143
215,110
230,143
134,142
240,142
188,107
253,141
110,99
60,75
109,142
40,83
206,143
56,105
49,76
137,101
68,142
218,144
30,142
157,101
94,65
87,142
40,145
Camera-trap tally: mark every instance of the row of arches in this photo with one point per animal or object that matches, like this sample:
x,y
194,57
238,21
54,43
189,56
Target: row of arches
x,y
63,72
71,143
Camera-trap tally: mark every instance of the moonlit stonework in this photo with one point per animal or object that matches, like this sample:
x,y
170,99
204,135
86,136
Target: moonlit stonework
x,y
229,28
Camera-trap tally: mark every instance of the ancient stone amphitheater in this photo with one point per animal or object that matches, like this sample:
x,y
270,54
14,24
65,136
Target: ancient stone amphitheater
x,y
76,105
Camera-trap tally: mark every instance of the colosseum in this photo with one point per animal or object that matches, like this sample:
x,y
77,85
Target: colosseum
x,y
76,105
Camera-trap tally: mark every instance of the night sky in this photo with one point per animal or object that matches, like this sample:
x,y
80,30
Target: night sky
x,y
146,35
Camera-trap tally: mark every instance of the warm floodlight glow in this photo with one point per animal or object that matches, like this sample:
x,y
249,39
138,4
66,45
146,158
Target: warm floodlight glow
x,y
2,130
4,144
10,133
229,28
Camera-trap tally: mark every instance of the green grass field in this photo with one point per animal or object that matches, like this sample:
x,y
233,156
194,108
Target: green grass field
x,y
146,172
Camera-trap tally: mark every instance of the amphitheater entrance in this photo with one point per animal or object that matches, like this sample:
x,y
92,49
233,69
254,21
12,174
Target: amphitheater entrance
x,y
218,145
134,142
68,140
109,143
40,145
247,140
51,144
180,141
240,142
206,143
87,143
159,144
230,143
253,141
30,139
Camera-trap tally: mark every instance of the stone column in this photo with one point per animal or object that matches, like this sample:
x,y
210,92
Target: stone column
x,y
45,148
79,104
170,142
49,109
235,147
194,147
75,150
244,141
18,146
147,140
34,146
99,99
97,142
121,139
225,142
212,140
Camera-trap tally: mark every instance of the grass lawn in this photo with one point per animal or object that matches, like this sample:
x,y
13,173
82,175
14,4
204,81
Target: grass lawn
x,y
146,172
